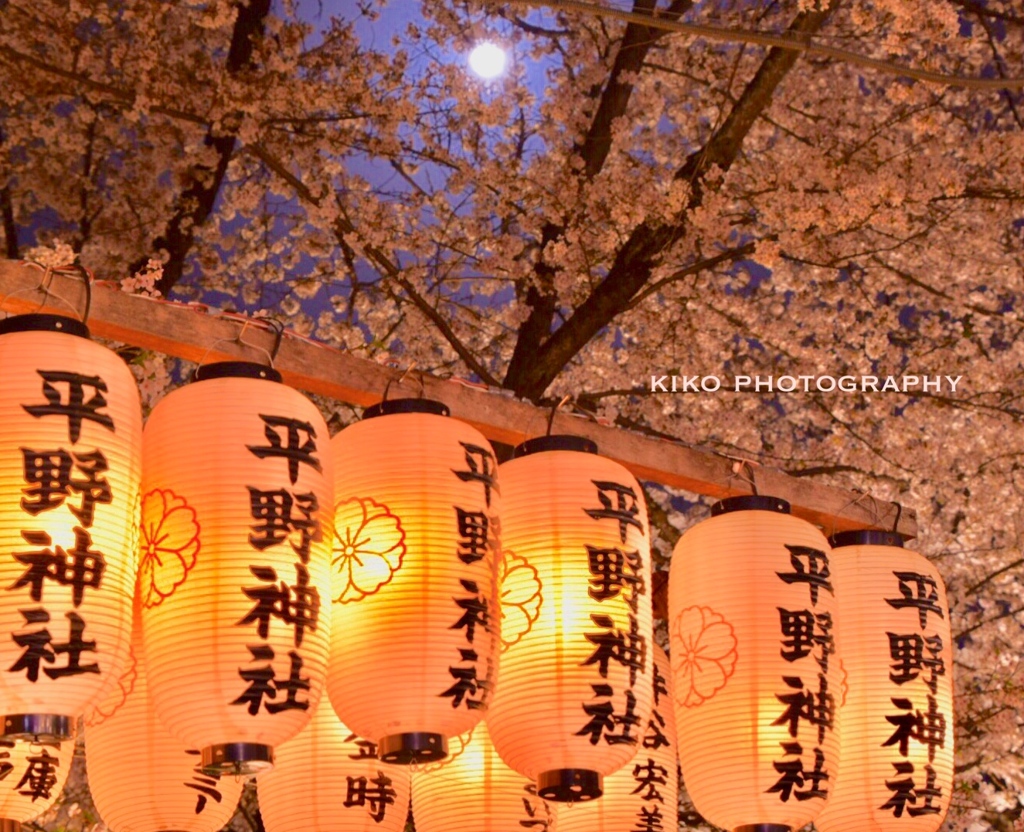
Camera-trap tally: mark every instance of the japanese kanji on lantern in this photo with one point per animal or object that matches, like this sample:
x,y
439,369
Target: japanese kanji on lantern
x,y
474,789
643,796
234,561
331,780
143,778
70,459
895,768
576,685
414,578
755,674
32,776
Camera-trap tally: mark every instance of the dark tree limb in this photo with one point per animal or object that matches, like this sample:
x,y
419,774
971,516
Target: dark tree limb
x,y
10,226
640,253
195,203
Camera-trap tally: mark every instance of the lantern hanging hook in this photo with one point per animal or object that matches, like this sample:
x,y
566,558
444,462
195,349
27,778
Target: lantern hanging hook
x,y
859,500
745,470
896,522
44,286
401,380
554,410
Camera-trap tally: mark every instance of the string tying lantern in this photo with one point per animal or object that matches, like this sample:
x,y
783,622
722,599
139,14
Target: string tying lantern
x,y
755,673
70,454
414,578
895,768
234,563
576,683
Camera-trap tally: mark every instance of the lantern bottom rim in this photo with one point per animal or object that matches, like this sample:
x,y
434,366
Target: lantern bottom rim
x,y
570,785
38,727
237,758
414,747
763,827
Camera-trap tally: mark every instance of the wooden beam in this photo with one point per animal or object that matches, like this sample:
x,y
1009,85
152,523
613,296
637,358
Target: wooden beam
x,y
189,332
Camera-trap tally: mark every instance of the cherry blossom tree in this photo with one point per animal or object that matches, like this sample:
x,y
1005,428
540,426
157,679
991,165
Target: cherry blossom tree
x,y
626,201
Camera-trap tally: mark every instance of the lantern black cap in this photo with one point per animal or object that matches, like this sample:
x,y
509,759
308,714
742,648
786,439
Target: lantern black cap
x,y
37,322
236,369
866,537
763,827
389,407
750,502
569,785
413,747
37,727
562,442
236,758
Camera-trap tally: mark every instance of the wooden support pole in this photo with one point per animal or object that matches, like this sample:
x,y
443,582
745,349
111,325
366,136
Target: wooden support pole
x,y
184,331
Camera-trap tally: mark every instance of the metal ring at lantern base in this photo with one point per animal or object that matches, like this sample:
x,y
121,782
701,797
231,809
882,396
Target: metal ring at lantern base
x,y
556,442
38,727
238,758
569,785
406,749
763,827
38,322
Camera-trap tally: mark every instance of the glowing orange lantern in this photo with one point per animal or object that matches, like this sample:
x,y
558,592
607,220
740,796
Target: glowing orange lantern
x,y
141,777
330,780
576,686
234,562
755,675
32,776
474,789
895,767
645,793
414,652
70,453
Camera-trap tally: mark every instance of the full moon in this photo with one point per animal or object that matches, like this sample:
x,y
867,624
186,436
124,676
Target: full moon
x,y
487,60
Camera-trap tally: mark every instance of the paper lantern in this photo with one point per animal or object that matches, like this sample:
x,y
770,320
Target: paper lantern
x,y
474,789
331,780
32,776
576,687
234,563
644,795
755,673
70,452
414,655
895,767
142,777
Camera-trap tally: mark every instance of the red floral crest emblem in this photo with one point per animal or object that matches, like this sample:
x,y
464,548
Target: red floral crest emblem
x,y
117,697
170,544
369,546
520,597
703,655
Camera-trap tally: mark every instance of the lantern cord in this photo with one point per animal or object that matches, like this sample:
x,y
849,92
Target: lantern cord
x,y
859,500
44,286
555,409
896,522
741,465
271,324
401,380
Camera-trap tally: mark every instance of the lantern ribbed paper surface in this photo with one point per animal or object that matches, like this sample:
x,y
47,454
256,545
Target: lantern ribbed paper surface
x,y
234,564
330,780
414,652
644,795
33,776
70,454
896,760
143,778
474,789
576,686
755,676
